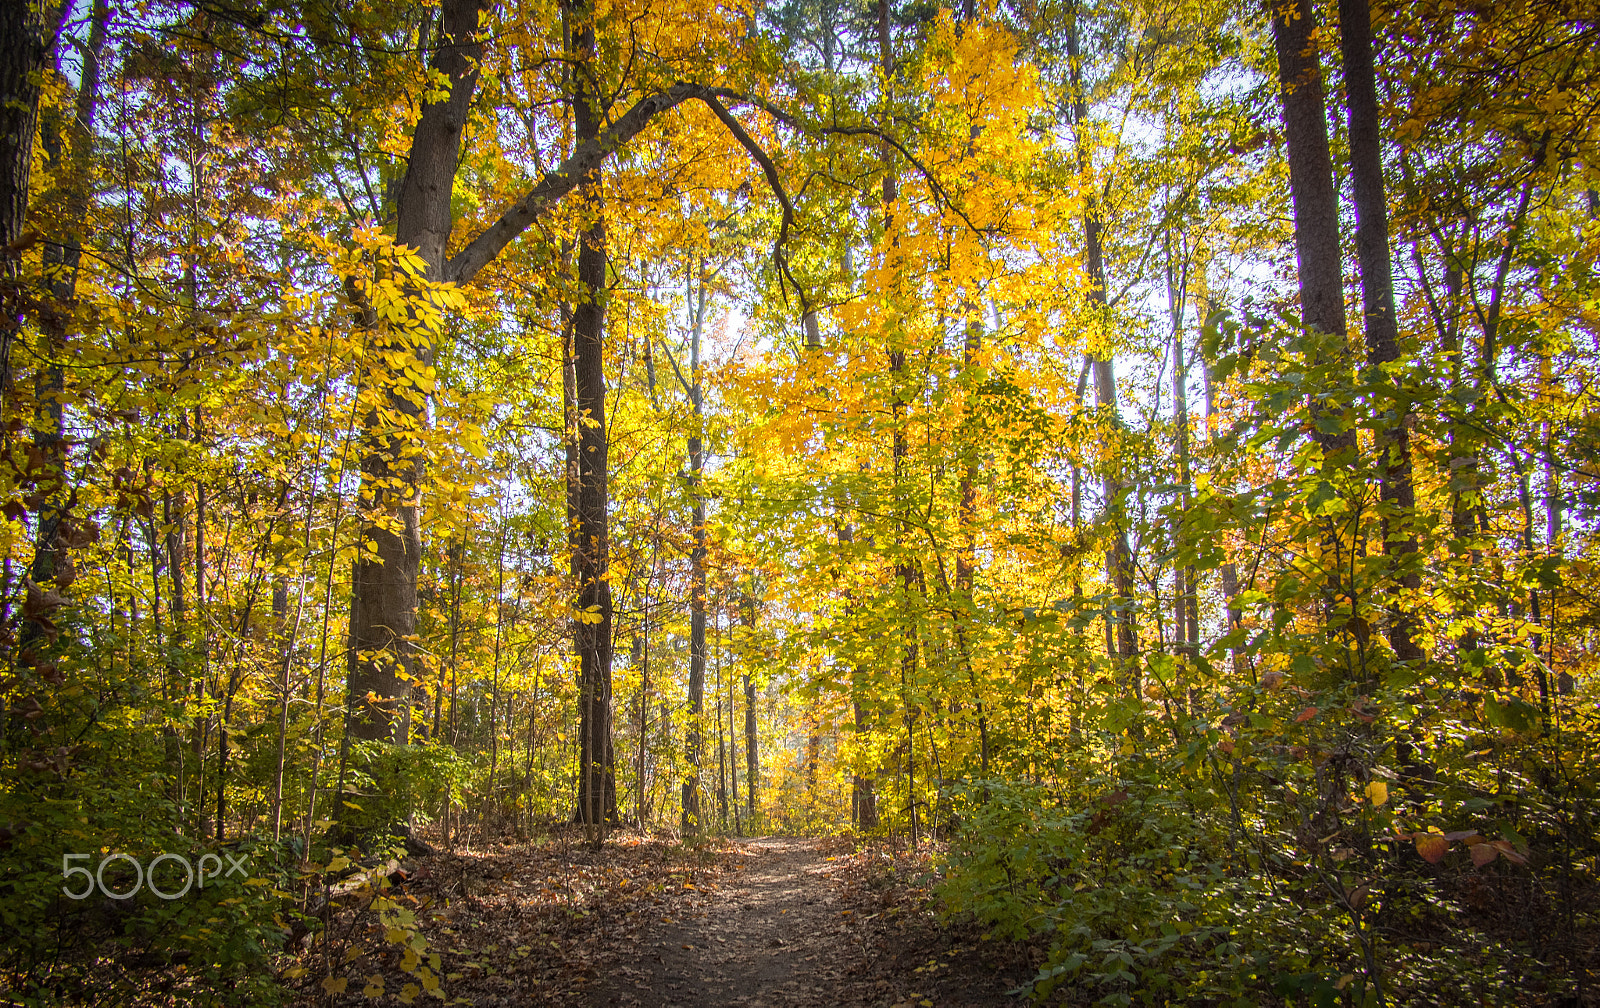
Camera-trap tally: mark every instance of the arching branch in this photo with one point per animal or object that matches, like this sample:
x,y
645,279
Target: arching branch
x,y
790,120
780,253
556,184
548,191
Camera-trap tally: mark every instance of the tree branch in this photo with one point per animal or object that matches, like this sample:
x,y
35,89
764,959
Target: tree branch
x,y
556,184
775,182
687,389
789,120
565,177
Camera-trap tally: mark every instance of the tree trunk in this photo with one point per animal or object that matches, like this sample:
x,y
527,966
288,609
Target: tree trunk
x,y
1119,559
694,743
1316,204
905,571
967,554
863,797
383,620
724,757
68,148
597,797
1316,239
642,807
494,668
726,674
1391,437
24,51
747,615
1185,618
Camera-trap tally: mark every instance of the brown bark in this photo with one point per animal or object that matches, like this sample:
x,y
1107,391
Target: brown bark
x,y
967,553
67,147
597,799
1316,204
966,557
1185,605
1392,438
905,571
863,796
383,620
724,757
1317,255
733,734
24,51
1311,190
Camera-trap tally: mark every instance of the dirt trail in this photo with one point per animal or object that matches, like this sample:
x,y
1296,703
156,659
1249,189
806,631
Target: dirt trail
x,y
774,935
778,933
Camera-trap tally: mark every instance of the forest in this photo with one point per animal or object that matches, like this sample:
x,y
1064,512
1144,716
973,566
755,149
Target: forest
x,y
1122,475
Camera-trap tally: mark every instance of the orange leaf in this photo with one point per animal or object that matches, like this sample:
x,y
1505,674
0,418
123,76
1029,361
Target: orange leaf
x,y
1305,715
1482,853
1432,847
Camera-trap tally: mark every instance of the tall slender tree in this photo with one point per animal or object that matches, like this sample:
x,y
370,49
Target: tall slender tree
x,y
591,554
1392,435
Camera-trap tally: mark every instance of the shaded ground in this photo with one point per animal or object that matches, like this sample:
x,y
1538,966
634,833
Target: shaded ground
x,y
794,927
769,921
774,934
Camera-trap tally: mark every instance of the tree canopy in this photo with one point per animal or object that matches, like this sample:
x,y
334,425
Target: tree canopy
x,y
1145,450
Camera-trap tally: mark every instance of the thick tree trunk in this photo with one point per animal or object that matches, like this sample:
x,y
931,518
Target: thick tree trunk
x,y
383,620
1316,203
591,558
1391,437
67,143
24,52
1317,255
597,794
25,48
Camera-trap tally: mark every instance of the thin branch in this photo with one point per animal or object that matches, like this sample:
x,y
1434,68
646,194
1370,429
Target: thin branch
x,y
775,182
787,119
675,370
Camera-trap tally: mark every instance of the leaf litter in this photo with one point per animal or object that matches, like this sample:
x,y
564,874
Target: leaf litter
x,y
768,921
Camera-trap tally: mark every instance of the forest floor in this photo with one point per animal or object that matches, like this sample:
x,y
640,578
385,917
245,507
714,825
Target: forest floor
x,y
767,921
